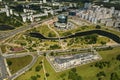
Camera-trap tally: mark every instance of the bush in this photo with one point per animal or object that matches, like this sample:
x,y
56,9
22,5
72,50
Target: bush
x,y
73,75
51,34
98,27
33,78
52,54
55,46
91,39
38,76
73,69
102,64
114,76
44,54
9,63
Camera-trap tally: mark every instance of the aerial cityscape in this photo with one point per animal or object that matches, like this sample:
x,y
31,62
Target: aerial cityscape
x,y
59,39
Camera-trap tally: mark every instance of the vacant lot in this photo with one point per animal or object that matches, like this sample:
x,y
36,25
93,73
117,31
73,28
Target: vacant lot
x,y
16,64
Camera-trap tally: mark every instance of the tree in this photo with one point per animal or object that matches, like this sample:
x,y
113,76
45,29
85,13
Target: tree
x,y
103,42
47,74
73,69
98,27
91,39
38,68
44,54
114,76
118,57
101,74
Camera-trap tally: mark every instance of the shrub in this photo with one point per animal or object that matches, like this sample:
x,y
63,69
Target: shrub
x,y
9,63
33,78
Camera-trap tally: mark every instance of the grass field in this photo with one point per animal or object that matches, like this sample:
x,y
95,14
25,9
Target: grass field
x,y
18,63
32,72
3,48
72,31
84,28
87,72
44,30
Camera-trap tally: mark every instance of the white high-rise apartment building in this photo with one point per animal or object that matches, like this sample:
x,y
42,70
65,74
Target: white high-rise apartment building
x,y
44,1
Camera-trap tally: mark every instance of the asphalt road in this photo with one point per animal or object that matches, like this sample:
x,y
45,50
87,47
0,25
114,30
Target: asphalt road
x,y
3,67
20,72
4,73
8,34
23,70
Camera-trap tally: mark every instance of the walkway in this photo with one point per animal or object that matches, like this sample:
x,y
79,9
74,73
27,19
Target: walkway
x,y
57,36
44,69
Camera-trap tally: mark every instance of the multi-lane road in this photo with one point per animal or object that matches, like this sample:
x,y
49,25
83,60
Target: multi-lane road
x,y
26,68
35,57
6,35
23,70
3,69
4,73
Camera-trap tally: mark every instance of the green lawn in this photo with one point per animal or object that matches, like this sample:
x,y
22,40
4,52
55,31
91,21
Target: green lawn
x,y
89,73
85,28
32,72
16,64
3,48
44,30
86,71
111,31
72,31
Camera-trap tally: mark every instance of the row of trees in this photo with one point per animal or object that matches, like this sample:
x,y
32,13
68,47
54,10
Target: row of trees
x,y
102,64
102,74
55,46
9,20
35,77
73,75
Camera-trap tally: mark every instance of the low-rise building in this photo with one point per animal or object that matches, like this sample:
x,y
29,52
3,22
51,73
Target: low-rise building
x,y
74,60
110,23
117,24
